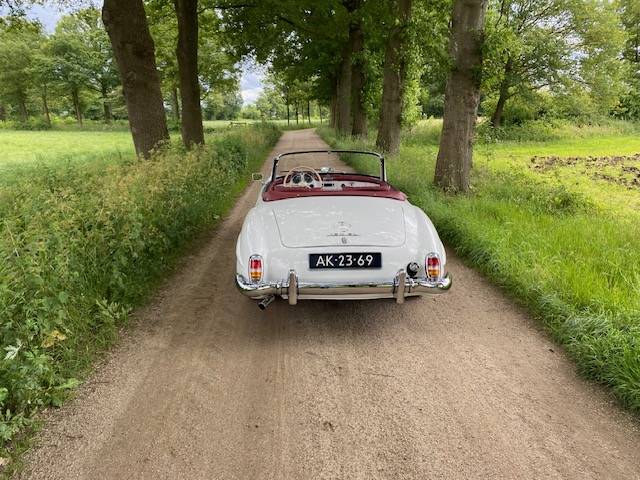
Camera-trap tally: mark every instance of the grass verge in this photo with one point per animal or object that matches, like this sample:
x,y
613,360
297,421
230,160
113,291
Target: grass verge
x,y
552,241
82,244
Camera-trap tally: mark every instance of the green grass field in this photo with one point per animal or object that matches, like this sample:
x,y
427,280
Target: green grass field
x,y
556,223
28,149
616,140
20,147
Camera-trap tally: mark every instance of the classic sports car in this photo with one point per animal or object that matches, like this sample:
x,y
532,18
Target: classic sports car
x,y
322,234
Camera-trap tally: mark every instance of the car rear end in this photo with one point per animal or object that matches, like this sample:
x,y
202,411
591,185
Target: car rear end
x,y
339,248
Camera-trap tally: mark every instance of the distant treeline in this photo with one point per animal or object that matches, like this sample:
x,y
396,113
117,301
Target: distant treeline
x,y
358,63
70,75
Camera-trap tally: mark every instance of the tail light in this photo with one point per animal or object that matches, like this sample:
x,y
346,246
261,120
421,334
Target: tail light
x,y
433,267
255,268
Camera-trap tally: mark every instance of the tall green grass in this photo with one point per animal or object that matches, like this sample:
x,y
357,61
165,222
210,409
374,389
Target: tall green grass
x,y
82,243
556,244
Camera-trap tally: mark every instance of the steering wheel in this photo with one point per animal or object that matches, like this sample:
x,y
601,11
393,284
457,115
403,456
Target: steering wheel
x,y
302,177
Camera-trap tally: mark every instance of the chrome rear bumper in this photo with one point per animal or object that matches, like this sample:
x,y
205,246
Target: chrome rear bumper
x,y
400,287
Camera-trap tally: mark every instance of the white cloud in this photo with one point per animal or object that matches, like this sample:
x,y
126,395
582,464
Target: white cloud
x,y
250,95
251,82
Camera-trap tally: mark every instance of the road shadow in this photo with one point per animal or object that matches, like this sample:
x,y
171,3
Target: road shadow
x,y
356,321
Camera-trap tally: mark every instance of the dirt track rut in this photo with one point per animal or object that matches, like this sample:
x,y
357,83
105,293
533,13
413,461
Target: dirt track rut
x,y
208,387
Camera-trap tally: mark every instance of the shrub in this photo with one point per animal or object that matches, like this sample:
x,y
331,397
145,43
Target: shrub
x,y
80,245
548,129
32,123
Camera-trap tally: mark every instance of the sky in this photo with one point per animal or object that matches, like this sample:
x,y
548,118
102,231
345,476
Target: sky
x,y
251,82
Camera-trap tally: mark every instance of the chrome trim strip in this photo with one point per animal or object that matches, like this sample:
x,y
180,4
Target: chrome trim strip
x,y
294,289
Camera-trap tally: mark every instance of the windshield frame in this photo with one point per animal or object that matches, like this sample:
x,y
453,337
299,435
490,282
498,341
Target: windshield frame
x,y
383,170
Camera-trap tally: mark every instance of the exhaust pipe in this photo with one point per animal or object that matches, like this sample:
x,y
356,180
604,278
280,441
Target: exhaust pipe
x,y
265,302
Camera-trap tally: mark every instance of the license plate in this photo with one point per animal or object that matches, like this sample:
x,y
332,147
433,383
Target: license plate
x,y
345,260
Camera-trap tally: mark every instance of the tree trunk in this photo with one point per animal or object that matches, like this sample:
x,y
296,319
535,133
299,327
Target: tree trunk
x,y
187,53
22,108
395,71
126,24
106,106
309,111
108,116
297,112
3,113
75,97
333,111
288,109
319,111
360,127
45,105
175,103
496,118
462,94
343,91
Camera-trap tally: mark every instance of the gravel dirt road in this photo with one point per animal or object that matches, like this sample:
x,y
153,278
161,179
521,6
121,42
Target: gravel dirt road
x,y
206,386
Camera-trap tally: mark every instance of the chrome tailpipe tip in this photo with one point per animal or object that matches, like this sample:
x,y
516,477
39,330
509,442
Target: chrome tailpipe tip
x,y
265,302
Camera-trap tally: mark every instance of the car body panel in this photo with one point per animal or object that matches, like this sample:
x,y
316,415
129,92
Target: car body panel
x,y
328,221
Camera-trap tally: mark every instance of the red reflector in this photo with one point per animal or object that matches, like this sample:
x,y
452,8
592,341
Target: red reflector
x,y
255,263
255,268
433,266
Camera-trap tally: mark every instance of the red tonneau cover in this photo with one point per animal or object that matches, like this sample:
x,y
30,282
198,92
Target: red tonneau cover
x,y
276,191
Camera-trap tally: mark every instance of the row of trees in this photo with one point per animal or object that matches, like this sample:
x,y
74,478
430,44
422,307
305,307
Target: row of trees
x,y
199,54
571,48
282,98
73,71
358,57
377,62
555,57
73,64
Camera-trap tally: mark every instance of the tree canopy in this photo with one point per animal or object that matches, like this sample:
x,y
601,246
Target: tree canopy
x,y
366,64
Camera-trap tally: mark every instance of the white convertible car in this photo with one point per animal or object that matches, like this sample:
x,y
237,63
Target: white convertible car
x,y
322,234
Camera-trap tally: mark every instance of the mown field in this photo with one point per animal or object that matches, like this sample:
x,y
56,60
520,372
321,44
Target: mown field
x,y
86,232
95,143
553,218
53,147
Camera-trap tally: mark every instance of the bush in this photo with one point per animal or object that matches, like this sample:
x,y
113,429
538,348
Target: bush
x,y
548,129
65,124
521,108
530,131
81,245
32,123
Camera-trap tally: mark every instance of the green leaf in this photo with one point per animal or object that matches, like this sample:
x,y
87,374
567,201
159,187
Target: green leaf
x,y
63,297
12,350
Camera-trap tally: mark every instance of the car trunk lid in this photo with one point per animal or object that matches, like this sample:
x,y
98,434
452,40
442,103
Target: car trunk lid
x,y
340,221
